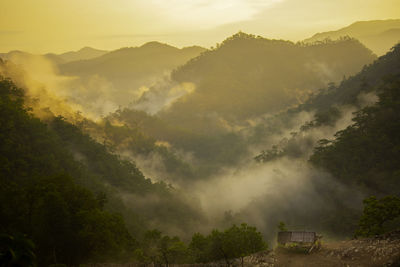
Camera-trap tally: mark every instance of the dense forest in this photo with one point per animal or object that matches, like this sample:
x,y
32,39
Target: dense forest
x,y
255,130
366,152
216,132
253,83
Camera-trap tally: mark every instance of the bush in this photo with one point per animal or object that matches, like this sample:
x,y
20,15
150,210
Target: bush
x,y
377,213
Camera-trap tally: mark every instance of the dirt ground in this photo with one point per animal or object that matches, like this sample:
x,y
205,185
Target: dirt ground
x,y
372,252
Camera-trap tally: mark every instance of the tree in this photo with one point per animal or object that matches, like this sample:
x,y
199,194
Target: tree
x,y
157,248
376,213
199,248
282,227
367,152
151,245
218,248
234,242
173,250
16,250
243,241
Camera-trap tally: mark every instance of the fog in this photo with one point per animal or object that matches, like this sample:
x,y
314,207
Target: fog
x,y
286,188
94,97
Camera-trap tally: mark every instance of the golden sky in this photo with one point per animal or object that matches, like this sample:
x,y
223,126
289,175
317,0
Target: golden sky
x,y
42,26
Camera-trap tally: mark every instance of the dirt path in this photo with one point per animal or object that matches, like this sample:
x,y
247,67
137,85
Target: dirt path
x,y
353,253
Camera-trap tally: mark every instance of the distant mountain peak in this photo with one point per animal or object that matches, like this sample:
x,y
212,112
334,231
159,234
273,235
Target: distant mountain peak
x,y
17,52
377,21
194,48
82,54
87,49
155,44
378,35
240,38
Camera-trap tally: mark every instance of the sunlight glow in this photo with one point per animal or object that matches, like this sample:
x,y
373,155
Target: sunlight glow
x,y
208,13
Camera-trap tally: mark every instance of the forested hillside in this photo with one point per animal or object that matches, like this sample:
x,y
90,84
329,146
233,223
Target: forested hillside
x,y
82,54
247,76
127,71
237,86
367,152
62,195
199,133
55,177
361,154
82,181
332,102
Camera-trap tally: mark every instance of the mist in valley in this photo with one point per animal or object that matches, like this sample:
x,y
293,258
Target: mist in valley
x,y
228,182
155,141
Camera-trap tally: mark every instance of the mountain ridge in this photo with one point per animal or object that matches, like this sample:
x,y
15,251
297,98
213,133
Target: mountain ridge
x,y
368,32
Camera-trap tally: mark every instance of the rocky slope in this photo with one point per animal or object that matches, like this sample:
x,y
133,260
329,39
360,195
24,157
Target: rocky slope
x,y
379,251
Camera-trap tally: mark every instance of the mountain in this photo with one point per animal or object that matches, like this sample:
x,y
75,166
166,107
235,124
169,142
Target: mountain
x,y
378,35
57,183
247,76
351,143
62,188
7,56
353,155
127,69
368,150
17,57
82,54
237,84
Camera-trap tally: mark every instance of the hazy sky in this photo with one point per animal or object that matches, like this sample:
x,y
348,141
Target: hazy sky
x,y
42,26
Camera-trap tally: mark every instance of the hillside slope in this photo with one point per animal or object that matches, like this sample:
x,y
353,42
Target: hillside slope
x,y
126,70
247,76
367,152
54,175
372,252
82,54
378,35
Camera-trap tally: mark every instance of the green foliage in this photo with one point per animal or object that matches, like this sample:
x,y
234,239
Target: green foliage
x,y
16,251
295,248
122,175
251,74
268,155
242,241
378,212
326,104
46,171
369,79
234,242
173,250
282,227
98,160
200,248
367,153
157,248
210,151
113,75
65,222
